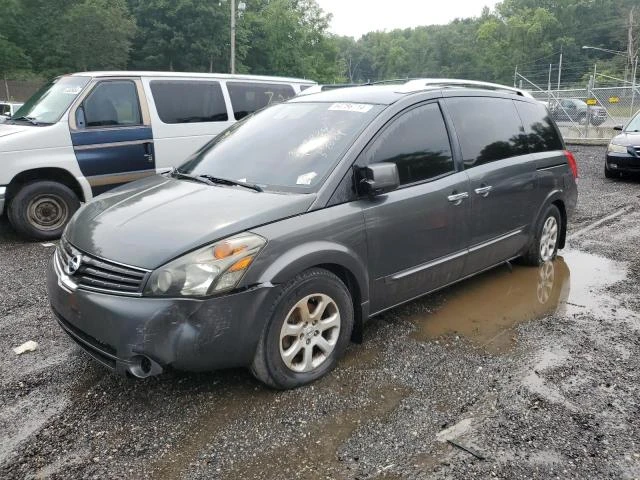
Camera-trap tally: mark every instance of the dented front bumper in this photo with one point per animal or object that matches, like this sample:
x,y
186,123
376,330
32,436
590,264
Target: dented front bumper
x,y
187,334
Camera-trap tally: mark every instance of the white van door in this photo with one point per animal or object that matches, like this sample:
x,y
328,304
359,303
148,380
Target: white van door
x,y
185,114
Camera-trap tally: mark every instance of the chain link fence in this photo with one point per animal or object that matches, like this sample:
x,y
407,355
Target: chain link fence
x,y
18,90
589,113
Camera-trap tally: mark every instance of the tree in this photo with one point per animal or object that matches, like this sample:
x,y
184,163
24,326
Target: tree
x,y
12,60
96,34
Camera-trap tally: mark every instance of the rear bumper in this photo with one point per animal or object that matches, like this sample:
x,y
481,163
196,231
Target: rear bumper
x,y
622,162
186,334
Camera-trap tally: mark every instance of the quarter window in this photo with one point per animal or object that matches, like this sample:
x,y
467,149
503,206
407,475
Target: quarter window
x,y
111,104
247,98
417,142
489,129
189,101
540,132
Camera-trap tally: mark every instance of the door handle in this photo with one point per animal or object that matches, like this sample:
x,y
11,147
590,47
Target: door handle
x,y
457,198
484,191
148,152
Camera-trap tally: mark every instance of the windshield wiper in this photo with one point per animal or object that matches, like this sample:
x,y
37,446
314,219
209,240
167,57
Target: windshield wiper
x,y
174,172
31,120
226,181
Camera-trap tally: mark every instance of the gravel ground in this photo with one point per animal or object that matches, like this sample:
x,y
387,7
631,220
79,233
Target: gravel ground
x,y
531,373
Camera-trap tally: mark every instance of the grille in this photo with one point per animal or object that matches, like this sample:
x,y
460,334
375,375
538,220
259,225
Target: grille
x,y
101,275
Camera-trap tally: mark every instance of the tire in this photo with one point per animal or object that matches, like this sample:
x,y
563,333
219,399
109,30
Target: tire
x,y
41,209
301,296
537,255
609,174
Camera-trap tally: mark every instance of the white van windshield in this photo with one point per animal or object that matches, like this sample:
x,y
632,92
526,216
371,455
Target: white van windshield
x,y
49,103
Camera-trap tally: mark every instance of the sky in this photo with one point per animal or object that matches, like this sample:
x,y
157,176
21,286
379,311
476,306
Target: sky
x,y
357,17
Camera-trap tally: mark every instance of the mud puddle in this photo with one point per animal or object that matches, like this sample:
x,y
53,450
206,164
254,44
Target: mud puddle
x,y
487,308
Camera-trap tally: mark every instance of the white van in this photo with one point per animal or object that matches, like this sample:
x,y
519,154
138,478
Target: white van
x,y
85,133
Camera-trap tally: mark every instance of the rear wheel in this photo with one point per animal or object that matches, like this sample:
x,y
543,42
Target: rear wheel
x,y
308,331
40,210
544,246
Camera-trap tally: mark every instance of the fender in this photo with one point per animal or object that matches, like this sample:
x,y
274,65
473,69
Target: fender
x,y
312,254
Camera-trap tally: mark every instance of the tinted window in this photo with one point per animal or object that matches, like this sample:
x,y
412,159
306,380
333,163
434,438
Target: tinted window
x,y
417,142
4,108
541,134
189,101
112,104
489,129
247,98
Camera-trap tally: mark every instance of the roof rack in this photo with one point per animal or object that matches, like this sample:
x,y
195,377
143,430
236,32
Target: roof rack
x,y
421,83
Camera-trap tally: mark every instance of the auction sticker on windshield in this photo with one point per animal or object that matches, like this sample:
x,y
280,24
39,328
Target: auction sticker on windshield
x,y
351,107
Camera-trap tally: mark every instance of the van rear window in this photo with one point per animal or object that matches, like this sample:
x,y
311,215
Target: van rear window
x,y
247,97
180,101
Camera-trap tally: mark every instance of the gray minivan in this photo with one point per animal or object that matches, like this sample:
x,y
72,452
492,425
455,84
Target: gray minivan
x,y
274,244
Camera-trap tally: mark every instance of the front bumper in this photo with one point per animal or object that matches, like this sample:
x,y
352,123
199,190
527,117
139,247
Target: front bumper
x,y
186,334
3,195
623,162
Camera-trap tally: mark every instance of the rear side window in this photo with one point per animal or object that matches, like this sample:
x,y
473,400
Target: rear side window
x,y
247,98
488,129
111,104
417,142
540,131
179,101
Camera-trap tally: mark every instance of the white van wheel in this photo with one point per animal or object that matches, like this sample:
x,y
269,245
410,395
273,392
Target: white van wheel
x,y
40,210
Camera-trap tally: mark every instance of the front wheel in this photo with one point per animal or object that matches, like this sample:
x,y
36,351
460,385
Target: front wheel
x,y
40,210
544,246
308,331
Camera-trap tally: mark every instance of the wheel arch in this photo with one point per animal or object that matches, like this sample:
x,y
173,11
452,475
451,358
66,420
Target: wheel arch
x,y
339,260
54,174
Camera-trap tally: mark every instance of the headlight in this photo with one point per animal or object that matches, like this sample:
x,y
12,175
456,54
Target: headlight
x,y
213,269
613,148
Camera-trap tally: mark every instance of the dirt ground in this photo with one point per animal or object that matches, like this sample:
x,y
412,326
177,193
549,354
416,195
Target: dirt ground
x,y
523,373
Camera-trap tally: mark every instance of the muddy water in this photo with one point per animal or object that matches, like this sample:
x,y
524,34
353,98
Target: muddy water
x,y
487,308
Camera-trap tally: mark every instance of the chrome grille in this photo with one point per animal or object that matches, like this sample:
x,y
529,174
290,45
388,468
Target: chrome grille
x,y
101,275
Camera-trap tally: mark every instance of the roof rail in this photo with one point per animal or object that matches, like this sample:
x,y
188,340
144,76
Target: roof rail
x,y
421,83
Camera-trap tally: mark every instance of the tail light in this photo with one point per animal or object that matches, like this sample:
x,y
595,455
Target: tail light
x,y
573,165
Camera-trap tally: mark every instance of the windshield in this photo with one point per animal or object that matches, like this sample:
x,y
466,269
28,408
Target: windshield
x,y
634,124
49,103
288,147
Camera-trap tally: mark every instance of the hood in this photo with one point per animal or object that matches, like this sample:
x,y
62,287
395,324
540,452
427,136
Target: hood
x,y
627,138
149,222
7,129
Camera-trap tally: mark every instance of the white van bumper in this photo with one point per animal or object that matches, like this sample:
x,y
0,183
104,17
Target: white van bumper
x,y
3,192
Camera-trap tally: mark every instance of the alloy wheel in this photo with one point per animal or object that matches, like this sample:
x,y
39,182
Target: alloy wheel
x,y
310,332
548,239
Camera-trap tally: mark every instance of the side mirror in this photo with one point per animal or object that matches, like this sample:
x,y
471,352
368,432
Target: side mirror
x,y
80,119
618,128
379,178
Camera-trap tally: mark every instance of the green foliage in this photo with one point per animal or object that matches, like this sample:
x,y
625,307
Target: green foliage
x,y
290,37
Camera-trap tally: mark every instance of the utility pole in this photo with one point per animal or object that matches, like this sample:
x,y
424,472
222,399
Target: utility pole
x,y
633,86
630,43
233,37
559,70
515,77
549,86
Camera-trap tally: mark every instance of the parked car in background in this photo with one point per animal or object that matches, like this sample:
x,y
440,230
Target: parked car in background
x,y
576,110
623,152
273,245
8,109
83,134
